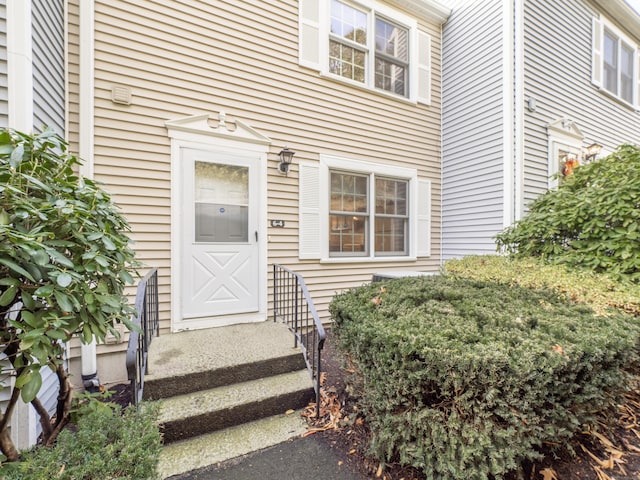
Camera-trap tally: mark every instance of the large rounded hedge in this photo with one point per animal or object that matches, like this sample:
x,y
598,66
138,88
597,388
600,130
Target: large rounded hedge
x,y
466,379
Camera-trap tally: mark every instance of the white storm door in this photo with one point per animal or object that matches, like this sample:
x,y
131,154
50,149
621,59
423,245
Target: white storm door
x,y
220,238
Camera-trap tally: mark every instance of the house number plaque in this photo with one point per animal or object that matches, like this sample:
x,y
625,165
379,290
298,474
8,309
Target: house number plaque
x,y
277,223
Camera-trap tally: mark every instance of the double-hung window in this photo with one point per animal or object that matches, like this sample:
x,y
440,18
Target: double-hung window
x,y
362,211
366,44
615,63
368,215
377,57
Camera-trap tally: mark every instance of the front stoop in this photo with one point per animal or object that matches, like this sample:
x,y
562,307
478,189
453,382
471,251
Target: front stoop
x,y
224,392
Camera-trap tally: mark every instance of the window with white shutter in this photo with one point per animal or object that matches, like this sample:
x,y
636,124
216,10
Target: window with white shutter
x,y
366,44
615,67
359,211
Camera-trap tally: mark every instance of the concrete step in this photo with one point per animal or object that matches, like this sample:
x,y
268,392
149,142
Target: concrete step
x,y
186,362
201,412
199,452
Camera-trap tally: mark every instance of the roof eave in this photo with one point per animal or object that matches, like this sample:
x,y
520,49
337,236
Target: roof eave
x,y
426,9
622,14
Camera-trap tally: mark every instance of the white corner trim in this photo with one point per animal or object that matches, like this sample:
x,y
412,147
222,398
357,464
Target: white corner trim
x,y
519,110
86,88
508,114
19,65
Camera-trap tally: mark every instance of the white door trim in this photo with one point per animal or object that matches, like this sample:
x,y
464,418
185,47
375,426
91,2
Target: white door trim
x,y
197,132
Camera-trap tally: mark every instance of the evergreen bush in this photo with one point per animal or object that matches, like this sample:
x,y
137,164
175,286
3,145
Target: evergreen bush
x,y
466,379
592,220
104,444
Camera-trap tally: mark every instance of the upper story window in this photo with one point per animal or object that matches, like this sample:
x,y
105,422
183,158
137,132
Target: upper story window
x,y
366,44
615,67
379,59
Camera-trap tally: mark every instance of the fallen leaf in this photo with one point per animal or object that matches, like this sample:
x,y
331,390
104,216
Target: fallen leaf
x,y
601,475
558,349
352,451
549,474
379,471
340,463
377,301
290,412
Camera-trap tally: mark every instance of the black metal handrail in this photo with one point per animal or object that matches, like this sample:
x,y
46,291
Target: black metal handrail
x,y
147,320
292,304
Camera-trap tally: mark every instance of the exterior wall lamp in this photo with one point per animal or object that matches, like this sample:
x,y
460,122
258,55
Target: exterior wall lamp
x,y
592,152
286,157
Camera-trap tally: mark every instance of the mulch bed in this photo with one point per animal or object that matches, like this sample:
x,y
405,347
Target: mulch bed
x,y
613,454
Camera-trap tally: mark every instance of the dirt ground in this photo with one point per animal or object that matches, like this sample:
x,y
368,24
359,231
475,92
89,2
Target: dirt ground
x,y
613,454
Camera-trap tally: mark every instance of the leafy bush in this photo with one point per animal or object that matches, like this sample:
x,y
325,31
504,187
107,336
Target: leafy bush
x,y
466,379
104,445
591,221
65,261
600,291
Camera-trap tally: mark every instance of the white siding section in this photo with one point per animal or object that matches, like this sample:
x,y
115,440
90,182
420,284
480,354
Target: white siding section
x,y
48,64
558,74
473,189
4,95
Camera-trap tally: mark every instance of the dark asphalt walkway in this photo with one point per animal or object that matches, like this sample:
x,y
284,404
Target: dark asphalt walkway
x,y
307,458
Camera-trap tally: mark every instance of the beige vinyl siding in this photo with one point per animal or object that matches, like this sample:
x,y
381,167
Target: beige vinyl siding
x,y
184,58
558,76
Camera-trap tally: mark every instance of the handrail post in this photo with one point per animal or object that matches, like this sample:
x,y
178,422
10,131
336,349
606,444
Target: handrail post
x,y
295,313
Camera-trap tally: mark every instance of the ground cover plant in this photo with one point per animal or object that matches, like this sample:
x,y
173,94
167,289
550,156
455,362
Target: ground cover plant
x,y
102,443
600,291
466,379
65,261
592,220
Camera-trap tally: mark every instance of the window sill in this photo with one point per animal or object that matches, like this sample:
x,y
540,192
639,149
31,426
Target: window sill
x,y
366,88
617,99
367,259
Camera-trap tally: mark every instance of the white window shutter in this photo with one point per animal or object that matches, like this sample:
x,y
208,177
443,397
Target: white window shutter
x,y
596,52
424,68
309,211
637,79
424,218
309,33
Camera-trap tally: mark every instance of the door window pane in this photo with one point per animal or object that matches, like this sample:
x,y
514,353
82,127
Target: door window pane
x,y
221,203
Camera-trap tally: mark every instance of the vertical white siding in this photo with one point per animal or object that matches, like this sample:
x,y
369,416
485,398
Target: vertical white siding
x,y
558,76
472,119
4,95
48,64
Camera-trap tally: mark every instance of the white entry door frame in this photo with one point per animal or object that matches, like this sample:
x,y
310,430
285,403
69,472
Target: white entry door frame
x,y
211,141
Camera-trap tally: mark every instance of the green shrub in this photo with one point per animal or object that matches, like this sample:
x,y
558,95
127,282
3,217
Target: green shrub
x,y
591,221
466,379
104,445
65,262
600,291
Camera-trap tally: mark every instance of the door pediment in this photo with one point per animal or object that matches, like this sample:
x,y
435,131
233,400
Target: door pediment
x,y
216,126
